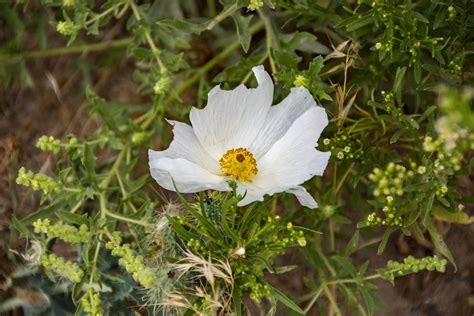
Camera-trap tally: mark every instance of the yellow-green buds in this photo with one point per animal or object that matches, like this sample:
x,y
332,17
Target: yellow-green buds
x,y
49,143
37,181
162,85
300,81
132,262
66,28
62,231
411,264
91,303
255,5
66,269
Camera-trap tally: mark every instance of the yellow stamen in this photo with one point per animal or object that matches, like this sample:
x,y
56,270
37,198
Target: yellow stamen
x,y
239,164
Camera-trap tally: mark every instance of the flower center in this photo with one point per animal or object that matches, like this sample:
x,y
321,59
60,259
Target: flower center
x,y
239,164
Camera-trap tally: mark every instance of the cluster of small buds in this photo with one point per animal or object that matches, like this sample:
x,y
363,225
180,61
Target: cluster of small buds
x,y
390,180
391,217
387,98
62,231
296,236
37,181
413,265
66,269
258,290
451,12
91,303
69,3
162,85
49,143
66,28
133,263
450,152
441,190
300,81
454,66
196,245
344,147
430,145
139,137
255,5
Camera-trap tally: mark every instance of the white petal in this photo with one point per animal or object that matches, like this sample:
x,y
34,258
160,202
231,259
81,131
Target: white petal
x,y
280,118
293,159
233,118
186,145
251,194
303,197
187,176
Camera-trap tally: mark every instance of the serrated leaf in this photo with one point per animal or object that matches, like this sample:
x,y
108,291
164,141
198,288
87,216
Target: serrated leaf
x,y
88,160
44,212
243,31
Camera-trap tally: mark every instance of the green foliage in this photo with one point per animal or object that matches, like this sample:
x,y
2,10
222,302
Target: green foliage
x,y
395,78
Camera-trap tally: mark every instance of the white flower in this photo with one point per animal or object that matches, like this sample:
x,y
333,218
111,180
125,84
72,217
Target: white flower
x,y
240,136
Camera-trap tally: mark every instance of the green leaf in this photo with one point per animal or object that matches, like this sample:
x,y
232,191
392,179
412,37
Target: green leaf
x,y
183,25
352,244
243,31
443,201
413,123
426,209
427,113
88,160
397,135
459,217
368,299
179,229
417,72
44,212
286,58
397,84
384,241
284,269
286,301
237,299
20,227
73,218
438,241
419,17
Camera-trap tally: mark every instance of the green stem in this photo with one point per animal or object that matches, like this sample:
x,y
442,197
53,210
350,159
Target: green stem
x,y
269,38
224,14
125,219
151,43
104,184
100,16
313,300
67,50
214,61
331,298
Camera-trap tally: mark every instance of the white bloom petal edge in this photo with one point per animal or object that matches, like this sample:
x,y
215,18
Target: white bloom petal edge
x,y
281,138
186,145
187,176
303,197
233,118
280,118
